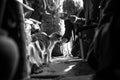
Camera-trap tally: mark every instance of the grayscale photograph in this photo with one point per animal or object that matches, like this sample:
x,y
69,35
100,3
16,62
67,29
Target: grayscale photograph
x,y
59,40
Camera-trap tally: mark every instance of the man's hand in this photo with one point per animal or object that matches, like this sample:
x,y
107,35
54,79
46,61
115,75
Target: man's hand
x,y
72,18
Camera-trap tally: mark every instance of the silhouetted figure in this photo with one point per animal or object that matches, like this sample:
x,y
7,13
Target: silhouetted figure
x,y
9,57
69,26
12,55
105,44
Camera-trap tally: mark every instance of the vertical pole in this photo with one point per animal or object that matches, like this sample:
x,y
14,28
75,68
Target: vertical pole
x,y
81,46
44,4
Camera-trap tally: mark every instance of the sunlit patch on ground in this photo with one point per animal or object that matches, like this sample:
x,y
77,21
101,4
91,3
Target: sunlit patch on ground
x,y
69,68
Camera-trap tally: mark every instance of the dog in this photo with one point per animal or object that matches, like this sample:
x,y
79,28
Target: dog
x,y
47,44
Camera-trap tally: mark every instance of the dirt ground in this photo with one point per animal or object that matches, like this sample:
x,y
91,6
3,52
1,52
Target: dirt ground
x,y
65,69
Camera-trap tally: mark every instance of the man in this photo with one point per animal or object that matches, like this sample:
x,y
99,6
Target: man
x,y
106,50
12,51
9,51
